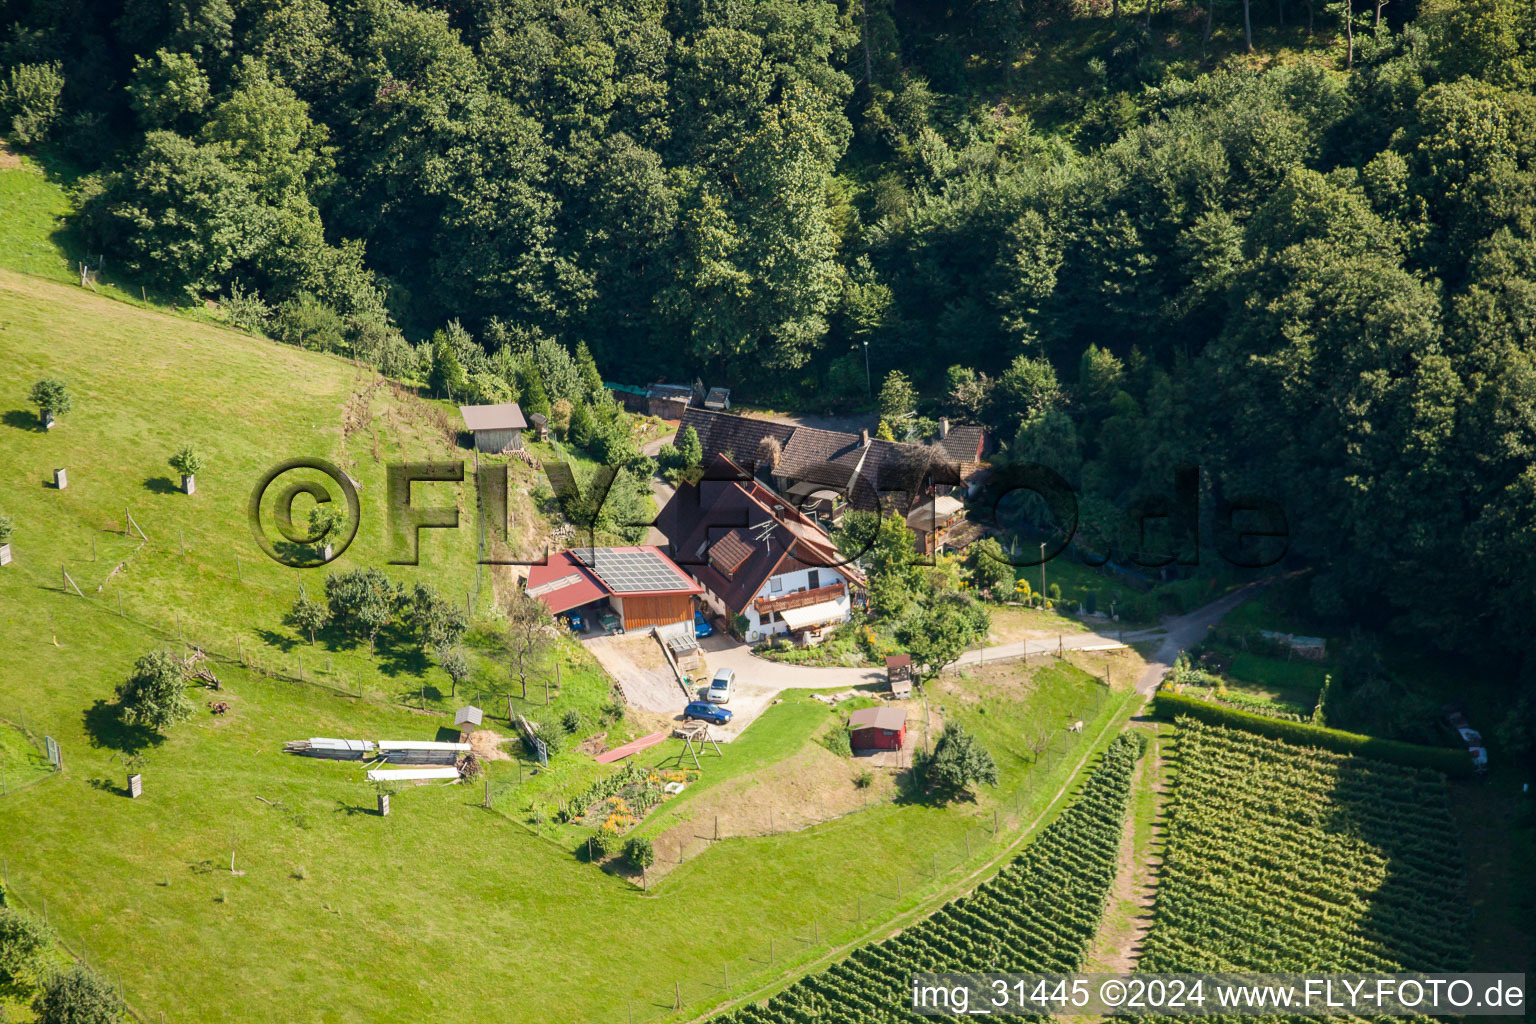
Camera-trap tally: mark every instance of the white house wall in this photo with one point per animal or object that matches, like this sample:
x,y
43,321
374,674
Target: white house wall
x,y
789,582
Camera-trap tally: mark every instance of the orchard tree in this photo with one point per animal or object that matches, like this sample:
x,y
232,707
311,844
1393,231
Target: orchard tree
x,y
957,761
187,461
362,599
51,397
308,616
529,629
438,624
938,636
455,664
325,523
155,694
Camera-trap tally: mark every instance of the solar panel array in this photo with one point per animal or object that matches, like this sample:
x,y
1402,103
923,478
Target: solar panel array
x,y
630,571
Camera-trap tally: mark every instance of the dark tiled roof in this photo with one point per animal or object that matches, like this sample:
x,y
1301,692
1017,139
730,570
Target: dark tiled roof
x,y
725,509
963,443
882,471
737,436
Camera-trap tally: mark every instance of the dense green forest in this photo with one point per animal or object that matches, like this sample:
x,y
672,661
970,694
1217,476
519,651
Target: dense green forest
x,y
1293,242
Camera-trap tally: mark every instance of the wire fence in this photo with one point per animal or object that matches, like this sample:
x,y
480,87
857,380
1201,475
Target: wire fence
x,y
901,891
96,581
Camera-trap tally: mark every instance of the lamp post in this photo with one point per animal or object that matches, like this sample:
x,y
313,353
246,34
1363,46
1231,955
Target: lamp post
x,y
869,381
1042,575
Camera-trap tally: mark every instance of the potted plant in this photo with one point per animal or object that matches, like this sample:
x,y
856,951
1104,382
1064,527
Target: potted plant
x,y
187,461
52,399
6,529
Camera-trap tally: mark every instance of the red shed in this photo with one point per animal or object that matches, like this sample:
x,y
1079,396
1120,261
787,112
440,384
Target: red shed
x,y
878,728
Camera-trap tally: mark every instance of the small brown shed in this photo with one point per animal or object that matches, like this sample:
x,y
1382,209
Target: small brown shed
x,y
898,674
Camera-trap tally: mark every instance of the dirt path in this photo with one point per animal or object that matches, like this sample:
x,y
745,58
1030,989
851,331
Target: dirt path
x,y
1128,917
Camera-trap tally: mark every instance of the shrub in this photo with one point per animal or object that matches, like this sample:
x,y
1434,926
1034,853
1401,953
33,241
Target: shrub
x,y
607,842
551,732
7,530
245,310
307,322
1444,759
572,720
29,98
839,741
23,940
77,996
640,852
864,779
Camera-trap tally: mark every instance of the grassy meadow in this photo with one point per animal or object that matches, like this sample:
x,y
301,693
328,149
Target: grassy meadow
x,y
326,898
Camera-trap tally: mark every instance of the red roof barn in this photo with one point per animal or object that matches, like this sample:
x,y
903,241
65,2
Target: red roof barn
x,y
878,728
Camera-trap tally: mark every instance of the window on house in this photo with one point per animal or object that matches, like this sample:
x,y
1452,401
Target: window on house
x,y
812,579
776,584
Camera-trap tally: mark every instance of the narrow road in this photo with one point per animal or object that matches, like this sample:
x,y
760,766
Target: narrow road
x,y
660,489
1177,634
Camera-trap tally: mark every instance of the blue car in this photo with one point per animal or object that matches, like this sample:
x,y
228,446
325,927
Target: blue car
x,y
701,626
707,713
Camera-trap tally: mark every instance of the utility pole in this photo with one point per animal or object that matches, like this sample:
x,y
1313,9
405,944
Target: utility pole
x,y
869,381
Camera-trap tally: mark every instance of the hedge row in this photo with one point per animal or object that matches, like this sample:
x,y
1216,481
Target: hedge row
x,y
1449,760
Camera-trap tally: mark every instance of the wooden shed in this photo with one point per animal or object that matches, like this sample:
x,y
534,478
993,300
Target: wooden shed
x,y
497,428
468,717
669,401
898,674
878,728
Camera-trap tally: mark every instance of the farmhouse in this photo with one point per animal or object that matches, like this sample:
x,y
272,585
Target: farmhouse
x,y
758,557
822,472
640,585
932,520
877,728
497,428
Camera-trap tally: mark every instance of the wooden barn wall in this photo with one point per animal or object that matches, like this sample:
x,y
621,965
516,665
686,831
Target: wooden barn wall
x,y
641,612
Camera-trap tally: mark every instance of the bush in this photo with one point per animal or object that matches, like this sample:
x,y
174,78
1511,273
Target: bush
x,y
7,530
1444,759
640,852
607,842
23,940
77,996
864,779
245,310
551,732
307,322
572,720
29,98
839,741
